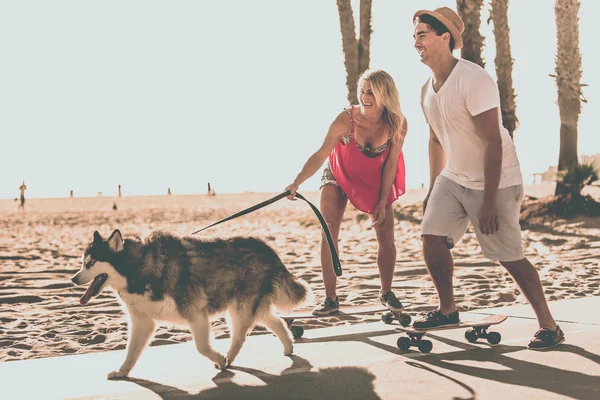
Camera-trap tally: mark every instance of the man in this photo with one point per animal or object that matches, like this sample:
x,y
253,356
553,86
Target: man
x,y
475,174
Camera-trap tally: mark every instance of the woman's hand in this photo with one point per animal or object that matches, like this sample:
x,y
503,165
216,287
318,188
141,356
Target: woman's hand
x,y
378,214
293,188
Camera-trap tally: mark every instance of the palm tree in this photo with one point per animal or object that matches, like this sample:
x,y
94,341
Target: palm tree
x,y
356,51
470,12
568,77
504,64
578,177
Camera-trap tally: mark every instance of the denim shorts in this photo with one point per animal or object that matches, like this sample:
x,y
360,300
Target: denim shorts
x,y
452,207
328,179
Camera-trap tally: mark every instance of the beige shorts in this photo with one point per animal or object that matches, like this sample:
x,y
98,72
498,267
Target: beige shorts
x,y
452,207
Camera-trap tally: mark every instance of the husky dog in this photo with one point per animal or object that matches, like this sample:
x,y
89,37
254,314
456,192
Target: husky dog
x,y
187,280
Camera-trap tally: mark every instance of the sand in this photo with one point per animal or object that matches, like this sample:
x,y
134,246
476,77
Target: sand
x,y
41,249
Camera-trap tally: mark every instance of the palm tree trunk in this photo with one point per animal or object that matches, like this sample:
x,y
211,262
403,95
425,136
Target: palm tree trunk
x,y
356,52
470,12
568,81
504,64
350,47
364,40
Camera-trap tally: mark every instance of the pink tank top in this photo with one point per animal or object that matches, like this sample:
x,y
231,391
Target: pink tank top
x,y
359,176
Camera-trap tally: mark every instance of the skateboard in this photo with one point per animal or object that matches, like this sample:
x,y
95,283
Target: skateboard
x,y
478,329
388,317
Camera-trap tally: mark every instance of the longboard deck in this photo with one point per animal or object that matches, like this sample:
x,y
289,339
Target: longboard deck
x,y
387,317
487,321
477,330
344,310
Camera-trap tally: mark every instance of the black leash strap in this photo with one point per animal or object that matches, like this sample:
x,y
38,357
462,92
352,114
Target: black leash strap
x,y
337,267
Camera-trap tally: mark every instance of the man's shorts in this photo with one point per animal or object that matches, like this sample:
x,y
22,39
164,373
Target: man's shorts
x,y
452,206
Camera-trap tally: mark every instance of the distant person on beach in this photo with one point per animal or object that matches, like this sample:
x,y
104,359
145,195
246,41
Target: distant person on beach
x,y
475,176
365,165
22,189
211,191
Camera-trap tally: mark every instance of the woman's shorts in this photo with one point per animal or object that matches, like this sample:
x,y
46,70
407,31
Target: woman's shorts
x,y
328,179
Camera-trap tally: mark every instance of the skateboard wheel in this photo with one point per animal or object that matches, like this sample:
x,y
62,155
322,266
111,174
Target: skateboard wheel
x,y
494,338
425,346
403,343
297,331
405,320
471,335
387,318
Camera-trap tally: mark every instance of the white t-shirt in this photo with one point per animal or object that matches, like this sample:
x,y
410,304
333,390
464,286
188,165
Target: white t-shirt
x,y
468,91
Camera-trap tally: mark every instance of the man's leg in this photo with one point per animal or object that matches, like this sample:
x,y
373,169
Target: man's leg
x,y
506,244
441,268
445,221
528,279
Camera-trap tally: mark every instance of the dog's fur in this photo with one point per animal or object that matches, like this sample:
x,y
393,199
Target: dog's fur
x,y
187,280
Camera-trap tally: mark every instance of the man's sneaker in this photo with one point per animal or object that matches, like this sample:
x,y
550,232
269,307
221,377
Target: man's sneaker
x,y
328,306
390,301
435,318
546,338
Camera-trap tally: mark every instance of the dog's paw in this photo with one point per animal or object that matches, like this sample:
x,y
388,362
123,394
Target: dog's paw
x,y
222,363
117,375
288,350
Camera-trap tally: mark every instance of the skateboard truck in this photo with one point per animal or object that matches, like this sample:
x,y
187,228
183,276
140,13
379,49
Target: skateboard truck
x,y
297,331
416,340
481,332
390,316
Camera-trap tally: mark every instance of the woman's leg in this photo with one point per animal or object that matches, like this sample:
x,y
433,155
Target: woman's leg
x,y
386,253
333,204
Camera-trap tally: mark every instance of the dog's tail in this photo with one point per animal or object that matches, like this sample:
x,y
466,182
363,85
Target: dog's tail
x,y
290,292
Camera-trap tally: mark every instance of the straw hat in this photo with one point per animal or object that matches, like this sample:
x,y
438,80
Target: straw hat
x,y
450,19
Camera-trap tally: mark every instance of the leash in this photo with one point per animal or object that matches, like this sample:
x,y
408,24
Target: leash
x,y
337,267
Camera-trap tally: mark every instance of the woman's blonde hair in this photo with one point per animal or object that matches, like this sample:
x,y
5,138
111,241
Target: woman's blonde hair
x,y
387,97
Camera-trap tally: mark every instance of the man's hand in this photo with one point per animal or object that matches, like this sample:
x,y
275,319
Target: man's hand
x,y
378,214
488,218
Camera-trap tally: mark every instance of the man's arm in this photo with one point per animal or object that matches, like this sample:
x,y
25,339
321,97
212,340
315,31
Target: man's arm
x,y
488,130
437,162
437,158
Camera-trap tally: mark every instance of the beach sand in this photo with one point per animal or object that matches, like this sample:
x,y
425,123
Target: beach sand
x,y
41,249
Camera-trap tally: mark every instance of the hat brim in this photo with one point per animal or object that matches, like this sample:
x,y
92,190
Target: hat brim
x,y
456,35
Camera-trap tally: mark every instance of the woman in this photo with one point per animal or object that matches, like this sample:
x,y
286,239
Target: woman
x,y
366,166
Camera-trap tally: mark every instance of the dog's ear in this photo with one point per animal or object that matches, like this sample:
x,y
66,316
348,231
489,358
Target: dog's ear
x,y
115,242
97,238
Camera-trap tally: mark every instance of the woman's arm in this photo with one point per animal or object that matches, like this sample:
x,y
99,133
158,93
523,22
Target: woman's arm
x,y
337,129
390,167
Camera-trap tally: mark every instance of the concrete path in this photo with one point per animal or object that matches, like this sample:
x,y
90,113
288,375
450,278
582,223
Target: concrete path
x,y
351,362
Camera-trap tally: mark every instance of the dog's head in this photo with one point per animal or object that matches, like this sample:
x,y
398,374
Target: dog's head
x,y
97,264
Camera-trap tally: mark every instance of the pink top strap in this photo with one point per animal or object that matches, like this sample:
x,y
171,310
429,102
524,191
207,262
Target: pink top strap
x,y
347,139
349,111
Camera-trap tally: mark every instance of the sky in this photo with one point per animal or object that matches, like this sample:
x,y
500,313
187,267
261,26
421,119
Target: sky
x,y
155,95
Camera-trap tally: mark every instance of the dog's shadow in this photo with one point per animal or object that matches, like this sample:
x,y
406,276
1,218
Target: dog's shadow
x,y
298,381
